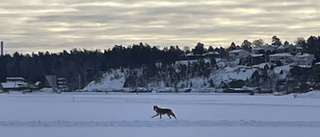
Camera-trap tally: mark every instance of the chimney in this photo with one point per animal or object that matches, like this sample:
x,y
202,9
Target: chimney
x,y
1,48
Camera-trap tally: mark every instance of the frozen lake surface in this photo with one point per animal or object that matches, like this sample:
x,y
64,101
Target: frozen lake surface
x,y
121,114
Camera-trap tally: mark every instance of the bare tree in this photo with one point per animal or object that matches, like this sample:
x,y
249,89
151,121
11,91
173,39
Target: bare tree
x,y
257,42
300,40
246,45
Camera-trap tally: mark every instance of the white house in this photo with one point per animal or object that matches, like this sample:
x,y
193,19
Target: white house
x,y
239,53
303,60
284,58
14,83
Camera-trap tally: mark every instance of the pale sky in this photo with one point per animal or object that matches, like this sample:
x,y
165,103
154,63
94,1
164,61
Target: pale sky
x,y
57,25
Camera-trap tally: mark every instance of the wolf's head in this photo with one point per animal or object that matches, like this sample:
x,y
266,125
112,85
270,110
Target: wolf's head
x,y
155,108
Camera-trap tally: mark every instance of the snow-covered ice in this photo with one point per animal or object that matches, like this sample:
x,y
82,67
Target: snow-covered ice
x,y
123,114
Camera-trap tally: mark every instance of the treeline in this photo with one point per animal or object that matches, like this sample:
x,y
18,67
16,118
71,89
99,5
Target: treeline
x,y
87,65
83,66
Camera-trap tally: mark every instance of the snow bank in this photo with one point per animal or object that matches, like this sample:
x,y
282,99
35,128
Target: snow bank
x,y
312,94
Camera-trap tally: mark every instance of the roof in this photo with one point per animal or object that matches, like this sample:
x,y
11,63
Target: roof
x,y
271,47
15,79
258,48
281,54
9,85
304,55
305,66
213,53
256,55
236,51
189,55
6,85
282,47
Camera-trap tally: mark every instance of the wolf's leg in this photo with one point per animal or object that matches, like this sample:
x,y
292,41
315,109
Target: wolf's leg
x,y
173,115
155,115
160,116
169,116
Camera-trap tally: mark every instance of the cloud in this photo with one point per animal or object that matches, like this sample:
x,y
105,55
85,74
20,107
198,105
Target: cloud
x,y
57,25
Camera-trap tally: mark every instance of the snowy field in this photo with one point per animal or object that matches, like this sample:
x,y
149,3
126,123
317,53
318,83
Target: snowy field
x,y
129,115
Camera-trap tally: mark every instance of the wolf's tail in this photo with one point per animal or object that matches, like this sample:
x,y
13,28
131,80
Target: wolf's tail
x,y
173,115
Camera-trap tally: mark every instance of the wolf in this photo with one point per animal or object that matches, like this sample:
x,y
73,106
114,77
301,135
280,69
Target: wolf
x,y
162,111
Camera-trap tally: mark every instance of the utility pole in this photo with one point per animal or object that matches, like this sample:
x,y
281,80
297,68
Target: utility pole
x,y
79,81
1,48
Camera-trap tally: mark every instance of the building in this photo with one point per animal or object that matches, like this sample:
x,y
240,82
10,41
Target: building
x,y
284,58
254,59
282,48
15,84
289,48
258,49
212,54
271,48
58,84
239,53
294,49
62,84
303,60
51,81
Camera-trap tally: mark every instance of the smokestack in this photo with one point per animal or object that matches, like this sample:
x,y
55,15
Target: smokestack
x,y
1,48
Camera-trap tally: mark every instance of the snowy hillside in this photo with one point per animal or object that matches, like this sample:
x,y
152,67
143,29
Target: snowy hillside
x,y
114,79
110,81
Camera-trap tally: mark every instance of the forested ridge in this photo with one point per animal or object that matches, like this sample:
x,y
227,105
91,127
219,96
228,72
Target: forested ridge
x,y
88,65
